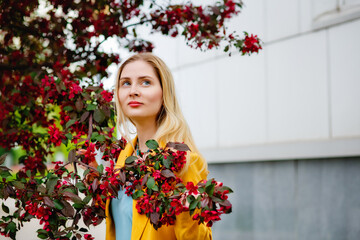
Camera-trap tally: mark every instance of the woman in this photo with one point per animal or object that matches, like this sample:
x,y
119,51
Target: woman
x,y
145,96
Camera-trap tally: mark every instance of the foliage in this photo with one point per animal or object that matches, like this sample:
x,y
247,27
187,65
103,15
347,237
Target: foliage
x,y
52,61
152,180
62,197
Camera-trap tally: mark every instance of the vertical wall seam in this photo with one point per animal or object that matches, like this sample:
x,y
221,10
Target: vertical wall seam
x,y
328,78
217,107
266,77
296,197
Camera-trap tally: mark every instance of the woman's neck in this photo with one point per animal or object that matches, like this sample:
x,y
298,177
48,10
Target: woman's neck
x,y
145,131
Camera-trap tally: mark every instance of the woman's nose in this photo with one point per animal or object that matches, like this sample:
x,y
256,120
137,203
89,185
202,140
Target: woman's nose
x,y
134,91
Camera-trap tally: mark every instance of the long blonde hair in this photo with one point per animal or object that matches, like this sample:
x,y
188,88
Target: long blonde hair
x,y
172,126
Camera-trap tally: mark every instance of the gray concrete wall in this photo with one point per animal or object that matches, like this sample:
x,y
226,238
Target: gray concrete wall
x,y
315,199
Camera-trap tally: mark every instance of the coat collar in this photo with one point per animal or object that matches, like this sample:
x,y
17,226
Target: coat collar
x,y
126,152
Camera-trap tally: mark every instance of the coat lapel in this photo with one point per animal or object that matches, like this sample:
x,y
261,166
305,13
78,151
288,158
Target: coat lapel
x,y
128,151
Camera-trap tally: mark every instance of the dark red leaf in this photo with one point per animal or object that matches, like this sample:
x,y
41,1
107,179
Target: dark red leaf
x,y
79,104
71,156
143,182
2,158
68,210
225,203
154,217
84,116
75,198
95,184
122,176
178,146
48,202
167,173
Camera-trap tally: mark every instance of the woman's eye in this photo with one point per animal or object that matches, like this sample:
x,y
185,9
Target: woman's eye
x,y
125,83
146,83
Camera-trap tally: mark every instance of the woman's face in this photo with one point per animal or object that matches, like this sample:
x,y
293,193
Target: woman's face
x,y
140,92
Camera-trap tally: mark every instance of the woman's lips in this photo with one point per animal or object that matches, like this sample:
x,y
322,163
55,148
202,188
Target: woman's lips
x,y
134,104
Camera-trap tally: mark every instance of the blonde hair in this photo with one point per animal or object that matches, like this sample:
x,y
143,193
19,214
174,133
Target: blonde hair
x,y
172,126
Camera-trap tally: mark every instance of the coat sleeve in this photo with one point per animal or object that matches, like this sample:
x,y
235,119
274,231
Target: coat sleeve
x,y
185,226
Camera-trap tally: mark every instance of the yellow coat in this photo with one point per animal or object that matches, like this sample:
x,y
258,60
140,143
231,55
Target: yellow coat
x,y
184,228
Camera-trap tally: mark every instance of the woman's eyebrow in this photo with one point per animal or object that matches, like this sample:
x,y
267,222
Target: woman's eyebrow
x,y
141,77
145,76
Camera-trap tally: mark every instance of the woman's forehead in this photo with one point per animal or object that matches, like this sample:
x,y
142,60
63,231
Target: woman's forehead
x,y
138,68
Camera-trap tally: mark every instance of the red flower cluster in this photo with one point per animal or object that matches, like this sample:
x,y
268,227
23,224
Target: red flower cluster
x,y
88,154
56,136
40,212
208,216
88,237
191,188
251,44
108,96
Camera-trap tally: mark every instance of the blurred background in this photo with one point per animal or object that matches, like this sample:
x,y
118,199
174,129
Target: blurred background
x,y
282,128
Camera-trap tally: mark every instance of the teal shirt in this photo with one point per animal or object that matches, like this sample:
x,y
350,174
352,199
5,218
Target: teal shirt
x,y
121,210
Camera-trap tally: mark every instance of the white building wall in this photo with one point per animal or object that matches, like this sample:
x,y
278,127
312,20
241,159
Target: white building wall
x,y
298,98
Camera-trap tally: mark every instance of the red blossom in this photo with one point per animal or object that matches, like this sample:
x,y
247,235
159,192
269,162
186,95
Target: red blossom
x,y
108,96
88,237
251,44
56,136
192,189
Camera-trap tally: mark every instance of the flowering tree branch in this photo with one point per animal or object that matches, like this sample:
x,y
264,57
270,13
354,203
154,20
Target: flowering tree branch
x,y
51,96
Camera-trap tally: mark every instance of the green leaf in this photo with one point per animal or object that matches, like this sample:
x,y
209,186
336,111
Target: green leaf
x,y
99,116
11,227
130,160
86,172
157,165
94,135
155,188
152,144
5,208
18,185
201,190
69,123
42,236
100,138
83,230
28,173
100,168
69,136
150,183
87,199
90,107
190,199
50,184
41,231
210,189
80,186
5,174
68,235
226,188
193,205
58,204
78,205
68,108
137,194
167,163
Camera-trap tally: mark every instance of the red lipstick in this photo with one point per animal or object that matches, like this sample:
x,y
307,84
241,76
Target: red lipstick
x,y
134,104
